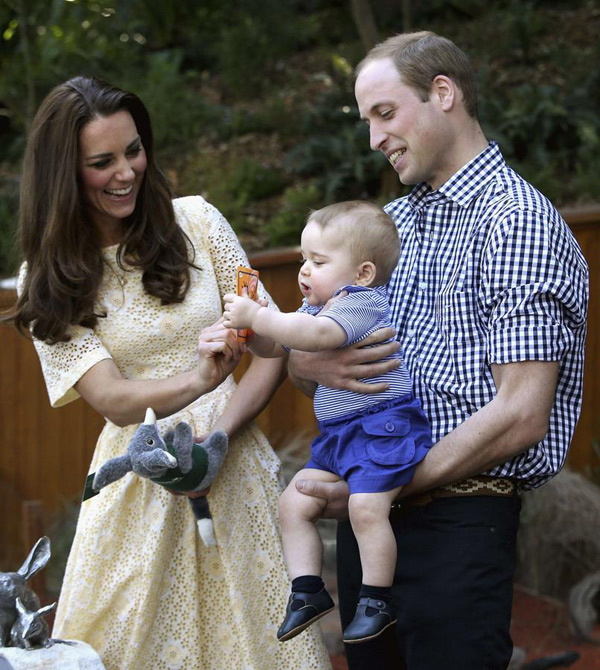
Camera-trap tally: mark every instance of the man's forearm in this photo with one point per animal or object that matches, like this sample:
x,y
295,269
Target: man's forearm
x,y
513,421
474,447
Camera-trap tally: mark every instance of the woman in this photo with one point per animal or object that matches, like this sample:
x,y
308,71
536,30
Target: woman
x,y
117,284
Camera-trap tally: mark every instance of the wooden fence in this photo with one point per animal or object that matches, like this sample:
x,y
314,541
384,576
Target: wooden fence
x,y
45,452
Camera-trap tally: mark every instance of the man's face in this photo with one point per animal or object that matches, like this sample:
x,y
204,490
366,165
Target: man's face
x,y
412,134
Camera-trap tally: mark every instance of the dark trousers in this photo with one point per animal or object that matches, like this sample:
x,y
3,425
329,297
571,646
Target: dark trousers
x,y
452,587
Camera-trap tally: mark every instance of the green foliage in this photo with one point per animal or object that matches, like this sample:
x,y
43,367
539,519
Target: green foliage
x,y
550,135
54,41
285,227
179,113
9,207
253,40
236,185
335,150
271,116
252,181
265,90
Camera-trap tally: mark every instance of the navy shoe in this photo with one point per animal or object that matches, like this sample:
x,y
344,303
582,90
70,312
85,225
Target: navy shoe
x,y
366,626
310,607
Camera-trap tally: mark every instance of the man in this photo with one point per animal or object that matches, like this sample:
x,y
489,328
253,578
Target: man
x,y
490,302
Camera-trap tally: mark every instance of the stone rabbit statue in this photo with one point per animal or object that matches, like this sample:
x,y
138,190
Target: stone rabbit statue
x,y
175,462
30,630
13,586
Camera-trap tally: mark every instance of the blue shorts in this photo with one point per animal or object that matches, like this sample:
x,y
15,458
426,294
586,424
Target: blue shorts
x,y
376,449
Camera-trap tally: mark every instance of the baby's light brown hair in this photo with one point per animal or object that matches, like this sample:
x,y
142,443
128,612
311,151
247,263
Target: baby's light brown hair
x,y
369,233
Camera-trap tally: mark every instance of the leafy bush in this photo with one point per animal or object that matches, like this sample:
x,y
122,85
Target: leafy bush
x,y
233,185
334,146
285,227
178,111
9,207
253,40
218,71
553,139
48,42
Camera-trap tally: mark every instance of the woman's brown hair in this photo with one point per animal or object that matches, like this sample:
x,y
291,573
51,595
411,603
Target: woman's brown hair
x,y
61,248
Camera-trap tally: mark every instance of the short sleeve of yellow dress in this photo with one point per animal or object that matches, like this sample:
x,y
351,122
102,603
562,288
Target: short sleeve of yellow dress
x,y
140,586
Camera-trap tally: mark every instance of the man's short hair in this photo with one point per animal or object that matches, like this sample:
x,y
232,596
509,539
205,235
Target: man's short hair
x,y
369,232
420,57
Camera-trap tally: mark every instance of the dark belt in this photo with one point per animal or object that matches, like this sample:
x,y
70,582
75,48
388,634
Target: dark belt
x,y
474,486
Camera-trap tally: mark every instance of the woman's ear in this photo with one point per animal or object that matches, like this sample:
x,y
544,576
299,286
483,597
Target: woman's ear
x,y
366,274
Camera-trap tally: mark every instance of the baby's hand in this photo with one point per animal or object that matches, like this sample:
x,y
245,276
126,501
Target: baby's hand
x,y
239,310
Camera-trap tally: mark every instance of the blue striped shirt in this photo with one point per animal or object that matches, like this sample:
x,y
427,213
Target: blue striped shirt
x,y
489,273
360,313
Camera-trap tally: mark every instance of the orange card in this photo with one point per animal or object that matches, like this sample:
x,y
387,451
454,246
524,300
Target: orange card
x,y
247,278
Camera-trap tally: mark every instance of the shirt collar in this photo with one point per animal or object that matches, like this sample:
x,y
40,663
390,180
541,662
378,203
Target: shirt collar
x,y
465,184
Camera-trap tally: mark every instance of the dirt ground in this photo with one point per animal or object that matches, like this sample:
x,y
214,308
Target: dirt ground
x,y
539,626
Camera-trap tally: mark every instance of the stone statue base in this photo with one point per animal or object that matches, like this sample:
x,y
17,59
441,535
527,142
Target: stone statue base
x,y
75,656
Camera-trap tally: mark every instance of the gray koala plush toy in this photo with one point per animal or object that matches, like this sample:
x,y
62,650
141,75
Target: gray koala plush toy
x,y
175,462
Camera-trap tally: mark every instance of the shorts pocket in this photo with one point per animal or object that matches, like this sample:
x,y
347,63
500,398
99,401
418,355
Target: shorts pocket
x,y
388,439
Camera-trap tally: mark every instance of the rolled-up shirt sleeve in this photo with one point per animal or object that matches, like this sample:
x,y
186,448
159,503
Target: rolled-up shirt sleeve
x,y
532,290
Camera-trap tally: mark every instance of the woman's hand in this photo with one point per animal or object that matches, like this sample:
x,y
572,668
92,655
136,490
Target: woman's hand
x,y
219,352
342,368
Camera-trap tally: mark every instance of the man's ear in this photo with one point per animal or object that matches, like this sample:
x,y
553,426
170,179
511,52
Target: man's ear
x,y
366,274
445,92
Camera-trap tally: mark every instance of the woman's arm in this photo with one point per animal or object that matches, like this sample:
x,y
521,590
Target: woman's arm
x,y
265,347
252,394
124,401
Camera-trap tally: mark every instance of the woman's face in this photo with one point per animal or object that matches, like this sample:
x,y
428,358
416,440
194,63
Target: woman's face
x,y
112,163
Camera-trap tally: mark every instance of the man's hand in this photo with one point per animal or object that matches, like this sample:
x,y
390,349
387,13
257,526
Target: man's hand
x,y
335,495
239,310
342,368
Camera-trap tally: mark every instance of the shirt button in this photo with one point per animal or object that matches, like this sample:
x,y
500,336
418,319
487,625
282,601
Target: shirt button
x,y
422,285
389,426
411,332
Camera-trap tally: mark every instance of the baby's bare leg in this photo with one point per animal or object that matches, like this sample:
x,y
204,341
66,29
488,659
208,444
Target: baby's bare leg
x,y
369,515
302,545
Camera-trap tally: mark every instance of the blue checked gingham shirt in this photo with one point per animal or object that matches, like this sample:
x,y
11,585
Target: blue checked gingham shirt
x,y
489,273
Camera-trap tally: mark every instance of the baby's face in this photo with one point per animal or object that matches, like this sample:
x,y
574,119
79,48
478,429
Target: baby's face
x,y
327,263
